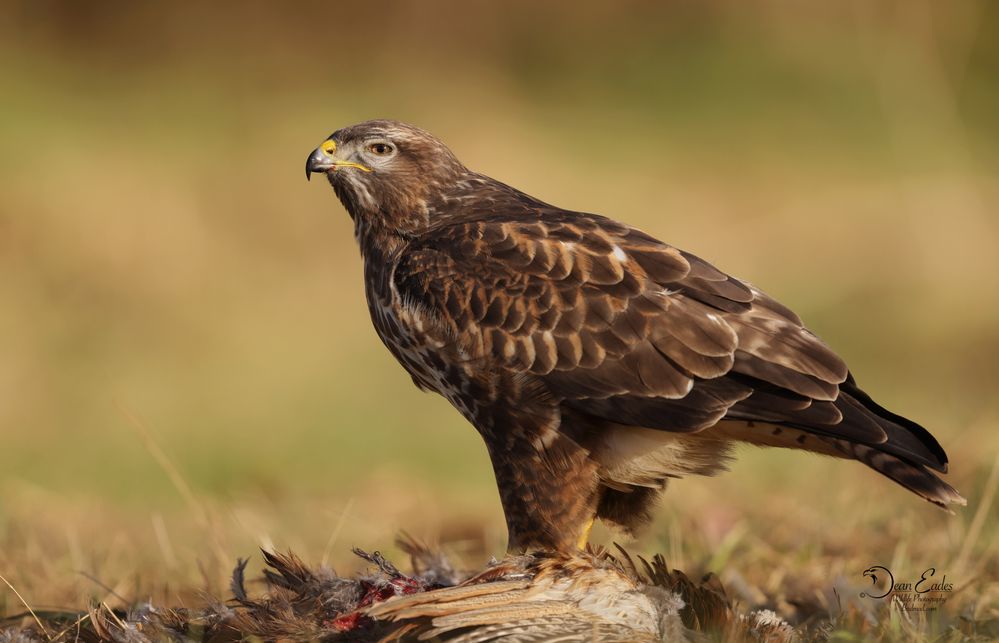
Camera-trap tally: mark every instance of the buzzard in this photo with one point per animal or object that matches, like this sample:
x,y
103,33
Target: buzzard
x,y
595,361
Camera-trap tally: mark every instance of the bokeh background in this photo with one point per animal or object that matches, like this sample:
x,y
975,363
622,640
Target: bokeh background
x,y
187,368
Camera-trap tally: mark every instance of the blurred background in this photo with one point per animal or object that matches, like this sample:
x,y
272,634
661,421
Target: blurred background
x,y
187,367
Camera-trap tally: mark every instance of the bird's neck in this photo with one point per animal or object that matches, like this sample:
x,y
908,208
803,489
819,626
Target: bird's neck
x,y
382,232
380,244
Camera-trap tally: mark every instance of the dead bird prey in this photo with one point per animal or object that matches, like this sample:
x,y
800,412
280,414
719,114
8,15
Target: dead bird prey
x,y
596,361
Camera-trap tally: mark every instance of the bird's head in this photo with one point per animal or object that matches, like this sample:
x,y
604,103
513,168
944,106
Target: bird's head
x,y
386,172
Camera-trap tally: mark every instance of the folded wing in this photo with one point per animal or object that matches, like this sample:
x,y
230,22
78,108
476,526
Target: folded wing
x,y
625,328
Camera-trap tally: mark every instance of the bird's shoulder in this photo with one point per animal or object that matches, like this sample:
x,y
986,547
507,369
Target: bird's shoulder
x,y
569,250
546,241
565,289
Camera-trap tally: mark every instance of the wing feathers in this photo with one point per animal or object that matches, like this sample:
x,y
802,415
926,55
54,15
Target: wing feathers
x,y
774,339
784,377
693,362
662,264
622,327
913,477
700,330
704,404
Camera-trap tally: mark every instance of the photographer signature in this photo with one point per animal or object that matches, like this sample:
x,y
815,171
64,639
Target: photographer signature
x,y
926,583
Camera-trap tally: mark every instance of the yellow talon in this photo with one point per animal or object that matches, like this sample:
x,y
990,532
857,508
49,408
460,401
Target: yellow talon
x,y
584,537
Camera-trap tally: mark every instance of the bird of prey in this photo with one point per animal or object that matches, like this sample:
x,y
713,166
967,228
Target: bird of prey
x,y
595,361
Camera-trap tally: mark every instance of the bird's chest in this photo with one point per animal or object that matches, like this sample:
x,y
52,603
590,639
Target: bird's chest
x,y
407,333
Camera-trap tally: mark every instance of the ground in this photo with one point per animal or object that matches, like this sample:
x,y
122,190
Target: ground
x,y
802,554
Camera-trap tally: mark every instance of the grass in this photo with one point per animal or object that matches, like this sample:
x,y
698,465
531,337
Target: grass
x,y
165,266
798,552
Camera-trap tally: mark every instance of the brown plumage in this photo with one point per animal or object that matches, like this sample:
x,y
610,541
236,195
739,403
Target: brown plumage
x,y
596,361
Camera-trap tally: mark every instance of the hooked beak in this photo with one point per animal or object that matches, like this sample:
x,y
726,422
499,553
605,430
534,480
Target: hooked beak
x,y
323,159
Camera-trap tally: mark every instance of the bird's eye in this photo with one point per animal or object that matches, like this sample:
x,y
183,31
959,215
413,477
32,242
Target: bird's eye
x,y
380,149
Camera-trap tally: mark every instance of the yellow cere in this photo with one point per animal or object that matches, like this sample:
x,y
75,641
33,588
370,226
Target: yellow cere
x,y
329,148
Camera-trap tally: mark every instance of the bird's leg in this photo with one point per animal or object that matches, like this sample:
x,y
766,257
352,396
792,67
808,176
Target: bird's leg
x,y
547,480
549,497
545,510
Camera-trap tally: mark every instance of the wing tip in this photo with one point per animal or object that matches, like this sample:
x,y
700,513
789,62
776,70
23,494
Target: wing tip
x,y
933,455
946,495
